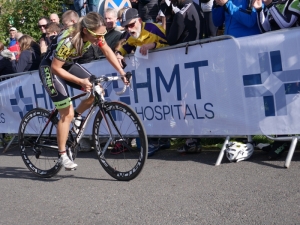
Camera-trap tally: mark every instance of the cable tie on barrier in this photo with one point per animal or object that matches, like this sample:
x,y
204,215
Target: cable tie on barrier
x,y
186,48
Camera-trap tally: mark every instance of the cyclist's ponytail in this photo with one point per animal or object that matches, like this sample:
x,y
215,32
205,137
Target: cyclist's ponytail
x,y
91,21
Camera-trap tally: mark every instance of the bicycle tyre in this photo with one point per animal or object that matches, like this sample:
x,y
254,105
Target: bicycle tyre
x,y
129,162
42,161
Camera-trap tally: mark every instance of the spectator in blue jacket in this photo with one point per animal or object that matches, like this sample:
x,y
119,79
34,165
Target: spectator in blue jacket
x,y
238,15
91,5
80,7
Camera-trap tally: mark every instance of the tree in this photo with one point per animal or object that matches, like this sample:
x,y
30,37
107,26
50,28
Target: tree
x,y
24,15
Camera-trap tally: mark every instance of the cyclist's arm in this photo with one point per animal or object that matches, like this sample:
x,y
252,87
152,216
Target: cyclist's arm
x,y
56,67
111,57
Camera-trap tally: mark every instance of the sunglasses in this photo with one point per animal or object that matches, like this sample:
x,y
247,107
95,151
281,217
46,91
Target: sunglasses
x,y
96,35
131,25
40,26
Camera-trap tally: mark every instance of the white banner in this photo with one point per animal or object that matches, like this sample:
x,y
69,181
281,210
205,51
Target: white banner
x,y
244,86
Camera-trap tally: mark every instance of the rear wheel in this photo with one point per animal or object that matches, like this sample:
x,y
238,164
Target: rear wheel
x,y
123,157
39,148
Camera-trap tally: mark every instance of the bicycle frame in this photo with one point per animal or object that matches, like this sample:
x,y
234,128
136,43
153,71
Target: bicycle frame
x,y
119,136
99,101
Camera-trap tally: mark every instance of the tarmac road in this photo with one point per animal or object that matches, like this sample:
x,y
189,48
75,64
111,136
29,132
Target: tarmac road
x,y
172,189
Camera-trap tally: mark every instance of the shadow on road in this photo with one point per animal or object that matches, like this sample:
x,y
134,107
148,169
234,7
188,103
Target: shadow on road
x,y
208,157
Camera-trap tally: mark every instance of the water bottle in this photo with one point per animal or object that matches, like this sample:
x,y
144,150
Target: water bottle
x,y
76,124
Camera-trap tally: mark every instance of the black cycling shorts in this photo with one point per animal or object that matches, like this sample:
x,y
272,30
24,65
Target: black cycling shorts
x,y
56,87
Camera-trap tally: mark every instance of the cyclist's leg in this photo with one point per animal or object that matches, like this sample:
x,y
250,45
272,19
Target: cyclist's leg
x,y
81,73
57,89
63,126
85,104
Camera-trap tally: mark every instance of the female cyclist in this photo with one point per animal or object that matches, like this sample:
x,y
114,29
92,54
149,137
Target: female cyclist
x,y
65,47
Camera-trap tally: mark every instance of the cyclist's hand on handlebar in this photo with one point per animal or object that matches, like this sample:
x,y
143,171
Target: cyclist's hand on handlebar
x,y
126,78
86,85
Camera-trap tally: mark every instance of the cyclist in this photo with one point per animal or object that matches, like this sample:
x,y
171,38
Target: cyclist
x,y
65,48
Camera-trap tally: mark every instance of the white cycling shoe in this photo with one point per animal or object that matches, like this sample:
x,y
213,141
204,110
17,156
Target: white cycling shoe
x,y
67,163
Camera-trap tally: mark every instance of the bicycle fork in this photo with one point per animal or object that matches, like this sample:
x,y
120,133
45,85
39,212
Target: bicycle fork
x,y
109,128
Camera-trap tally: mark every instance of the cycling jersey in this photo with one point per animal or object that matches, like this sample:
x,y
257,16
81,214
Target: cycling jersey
x,y
62,49
279,15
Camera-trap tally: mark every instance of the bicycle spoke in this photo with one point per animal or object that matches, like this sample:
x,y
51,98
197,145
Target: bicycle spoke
x,y
39,150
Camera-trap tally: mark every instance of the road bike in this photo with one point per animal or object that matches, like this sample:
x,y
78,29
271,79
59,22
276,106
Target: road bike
x,y
116,126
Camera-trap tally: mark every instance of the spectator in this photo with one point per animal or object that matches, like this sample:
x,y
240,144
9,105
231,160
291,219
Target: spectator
x,y
12,36
148,10
52,30
54,18
161,18
146,36
186,24
16,48
91,5
134,4
239,18
124,34
210,29
113,35
120,12
30,56
43,41
80,7
69,18
277,15
5,65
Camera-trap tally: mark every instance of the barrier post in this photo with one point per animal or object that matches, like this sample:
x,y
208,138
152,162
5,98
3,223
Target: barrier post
x,y
9,143
221,154
291,152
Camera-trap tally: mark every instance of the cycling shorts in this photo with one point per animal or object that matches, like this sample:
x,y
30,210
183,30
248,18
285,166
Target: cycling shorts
x,y
56,87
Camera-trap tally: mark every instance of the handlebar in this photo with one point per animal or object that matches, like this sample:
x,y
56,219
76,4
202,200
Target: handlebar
x,y
96,80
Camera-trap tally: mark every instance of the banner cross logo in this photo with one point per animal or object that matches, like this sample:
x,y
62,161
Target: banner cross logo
x,y
272,83
21,104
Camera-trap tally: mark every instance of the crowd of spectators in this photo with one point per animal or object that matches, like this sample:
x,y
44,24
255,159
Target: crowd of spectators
x,y
151,24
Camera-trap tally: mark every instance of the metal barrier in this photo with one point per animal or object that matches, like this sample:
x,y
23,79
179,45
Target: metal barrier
x,y
186,45
13,139
293,139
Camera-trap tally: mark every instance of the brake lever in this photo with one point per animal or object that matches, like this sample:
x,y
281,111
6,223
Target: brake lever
x,y
92,78
128,75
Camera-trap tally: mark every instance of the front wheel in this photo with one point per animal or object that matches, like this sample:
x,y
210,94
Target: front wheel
x,y
120,141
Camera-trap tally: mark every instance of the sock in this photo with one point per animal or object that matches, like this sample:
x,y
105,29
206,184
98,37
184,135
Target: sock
x,y
61,152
